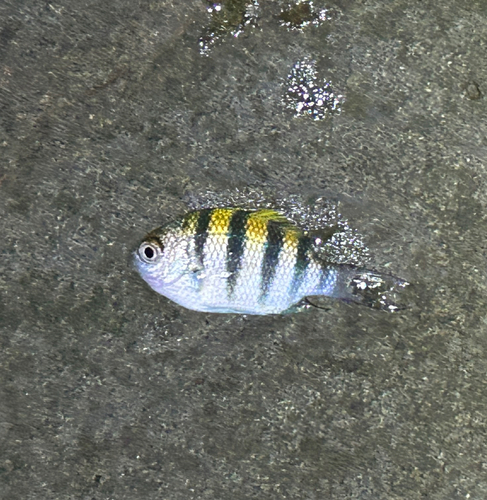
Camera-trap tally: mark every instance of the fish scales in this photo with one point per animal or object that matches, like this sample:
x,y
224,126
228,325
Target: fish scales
x,y
238,241
196,223
238,260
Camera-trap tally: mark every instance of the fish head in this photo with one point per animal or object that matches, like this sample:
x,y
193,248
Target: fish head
x,y
162,258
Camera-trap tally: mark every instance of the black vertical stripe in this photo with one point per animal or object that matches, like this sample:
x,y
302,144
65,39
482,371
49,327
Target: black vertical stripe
x,y
236,246
201,233
274,244
302,262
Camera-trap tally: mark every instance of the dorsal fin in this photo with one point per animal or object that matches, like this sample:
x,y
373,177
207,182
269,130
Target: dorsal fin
x,y
268,214
265,215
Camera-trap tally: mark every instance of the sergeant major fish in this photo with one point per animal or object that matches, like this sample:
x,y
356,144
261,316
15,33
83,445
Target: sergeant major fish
x,y
232,260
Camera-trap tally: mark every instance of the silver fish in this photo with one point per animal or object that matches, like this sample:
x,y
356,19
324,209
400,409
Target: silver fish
x,y
233,260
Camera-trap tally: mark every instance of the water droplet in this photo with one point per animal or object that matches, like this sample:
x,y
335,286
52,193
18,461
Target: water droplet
x,y
303,13
229,17
304,95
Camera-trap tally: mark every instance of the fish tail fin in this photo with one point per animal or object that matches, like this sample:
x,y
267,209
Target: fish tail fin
x,y
370,288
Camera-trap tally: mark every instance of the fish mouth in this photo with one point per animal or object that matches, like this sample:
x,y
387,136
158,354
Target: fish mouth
x,y
135,260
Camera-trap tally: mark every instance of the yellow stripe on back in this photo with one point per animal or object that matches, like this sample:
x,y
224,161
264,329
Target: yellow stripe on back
x,y
291,238
256,229
257,225
220,221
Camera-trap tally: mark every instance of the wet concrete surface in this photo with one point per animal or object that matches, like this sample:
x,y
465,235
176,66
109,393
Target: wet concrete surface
x,y
110,119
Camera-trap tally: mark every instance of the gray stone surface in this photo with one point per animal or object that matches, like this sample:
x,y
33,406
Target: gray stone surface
x,y
109,115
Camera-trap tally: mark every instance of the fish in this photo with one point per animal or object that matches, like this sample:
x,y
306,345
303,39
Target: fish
x,y
251,261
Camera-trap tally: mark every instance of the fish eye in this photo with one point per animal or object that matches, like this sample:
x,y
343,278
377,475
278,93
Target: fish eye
x,y
149,252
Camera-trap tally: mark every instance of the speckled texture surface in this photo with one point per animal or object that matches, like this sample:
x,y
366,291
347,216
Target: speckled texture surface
x,y
109,114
